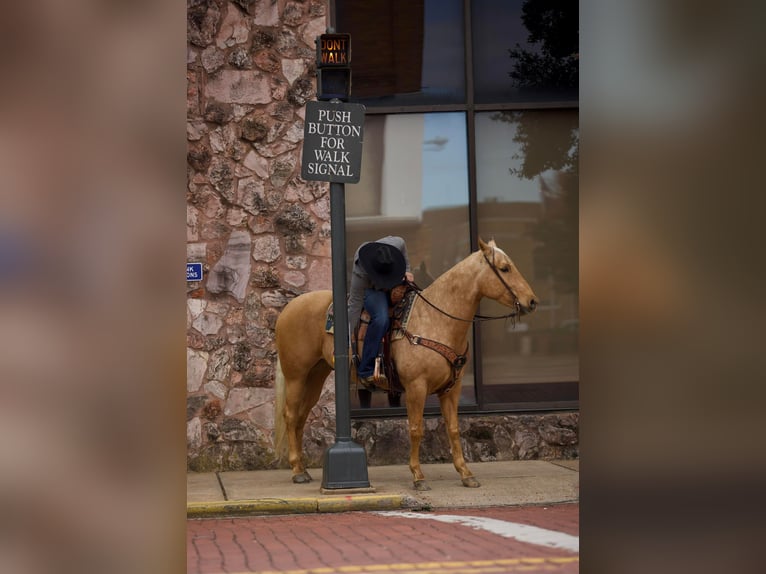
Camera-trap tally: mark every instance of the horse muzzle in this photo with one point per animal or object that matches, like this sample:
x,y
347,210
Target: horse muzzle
x,y
528,308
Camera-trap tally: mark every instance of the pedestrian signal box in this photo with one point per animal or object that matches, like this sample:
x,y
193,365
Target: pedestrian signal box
x,y
334,50
333,61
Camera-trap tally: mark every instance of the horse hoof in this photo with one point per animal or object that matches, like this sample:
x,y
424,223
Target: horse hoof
x,y
421,485
302,478
471,482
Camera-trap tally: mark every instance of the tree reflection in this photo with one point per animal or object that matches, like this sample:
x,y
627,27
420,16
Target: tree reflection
x,y
549,152
554,36
549,141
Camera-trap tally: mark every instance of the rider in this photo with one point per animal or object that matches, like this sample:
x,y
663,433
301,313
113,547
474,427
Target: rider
x,y
378,267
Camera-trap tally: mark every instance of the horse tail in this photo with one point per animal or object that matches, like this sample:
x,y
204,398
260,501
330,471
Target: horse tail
x,y
280,425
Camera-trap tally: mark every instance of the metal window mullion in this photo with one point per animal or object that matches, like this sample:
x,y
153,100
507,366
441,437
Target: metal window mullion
x,y
473,225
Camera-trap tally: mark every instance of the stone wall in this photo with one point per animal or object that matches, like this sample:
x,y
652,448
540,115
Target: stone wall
x,y
263,236
484,438
262,233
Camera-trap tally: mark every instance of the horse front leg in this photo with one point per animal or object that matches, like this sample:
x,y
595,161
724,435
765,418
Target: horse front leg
x,y
415,398
448,403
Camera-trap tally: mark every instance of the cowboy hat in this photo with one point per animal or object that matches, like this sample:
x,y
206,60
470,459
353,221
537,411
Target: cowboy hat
x,y
384,264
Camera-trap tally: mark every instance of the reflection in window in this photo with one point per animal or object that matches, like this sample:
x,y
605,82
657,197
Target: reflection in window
x,y
405,51
528,196
414,184
525,50
415,167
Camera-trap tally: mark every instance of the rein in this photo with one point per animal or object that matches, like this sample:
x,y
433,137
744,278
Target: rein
x,y
477,317
455,360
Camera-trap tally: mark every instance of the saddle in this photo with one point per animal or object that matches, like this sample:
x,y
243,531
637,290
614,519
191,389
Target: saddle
x,y
402,297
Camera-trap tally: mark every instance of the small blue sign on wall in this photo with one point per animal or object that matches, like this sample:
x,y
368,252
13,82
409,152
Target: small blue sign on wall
x,y
194,271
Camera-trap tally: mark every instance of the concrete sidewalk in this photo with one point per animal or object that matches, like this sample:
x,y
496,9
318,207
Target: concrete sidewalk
x,y
503,483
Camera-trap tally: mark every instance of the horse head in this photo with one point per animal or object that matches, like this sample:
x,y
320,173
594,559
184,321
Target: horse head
x,y
502,281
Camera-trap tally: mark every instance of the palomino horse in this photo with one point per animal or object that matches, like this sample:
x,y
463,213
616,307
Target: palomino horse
x,y
442,313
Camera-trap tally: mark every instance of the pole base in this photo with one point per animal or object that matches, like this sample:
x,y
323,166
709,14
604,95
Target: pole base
x,y
345,466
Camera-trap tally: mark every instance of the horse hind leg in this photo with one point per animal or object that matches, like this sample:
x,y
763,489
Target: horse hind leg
x,y
449,403
300,400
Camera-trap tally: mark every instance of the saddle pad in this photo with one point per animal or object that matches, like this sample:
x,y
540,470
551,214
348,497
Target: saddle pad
x,y
329,324
401,315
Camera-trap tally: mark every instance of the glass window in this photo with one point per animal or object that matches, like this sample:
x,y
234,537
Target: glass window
x,y
404,52
527,186
414,184
498,162
525,50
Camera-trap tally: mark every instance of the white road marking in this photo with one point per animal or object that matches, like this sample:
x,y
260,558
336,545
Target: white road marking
x,y
515,530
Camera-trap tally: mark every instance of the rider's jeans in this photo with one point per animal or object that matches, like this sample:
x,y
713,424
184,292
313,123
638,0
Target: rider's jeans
x,y
376,303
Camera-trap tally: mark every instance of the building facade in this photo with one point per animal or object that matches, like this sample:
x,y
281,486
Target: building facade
x,y
470,131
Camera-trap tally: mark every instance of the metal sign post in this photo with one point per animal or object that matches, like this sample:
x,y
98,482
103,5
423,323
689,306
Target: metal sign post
x,y
332,151
345,463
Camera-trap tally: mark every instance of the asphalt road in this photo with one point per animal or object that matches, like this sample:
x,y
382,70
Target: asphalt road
x,y
493,540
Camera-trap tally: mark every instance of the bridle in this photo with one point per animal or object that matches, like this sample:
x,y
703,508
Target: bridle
x,y
455,360
478,318
508,288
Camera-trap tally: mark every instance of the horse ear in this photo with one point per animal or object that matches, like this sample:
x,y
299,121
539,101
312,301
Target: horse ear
x,y
484,247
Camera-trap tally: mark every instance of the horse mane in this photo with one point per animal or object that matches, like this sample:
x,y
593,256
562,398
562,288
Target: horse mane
x,y
445,278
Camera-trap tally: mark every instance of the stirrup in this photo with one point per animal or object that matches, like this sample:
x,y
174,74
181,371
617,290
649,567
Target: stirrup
x,y
379,376
374,385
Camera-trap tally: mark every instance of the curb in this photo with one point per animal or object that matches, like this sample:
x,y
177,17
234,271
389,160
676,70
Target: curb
x,y
265,506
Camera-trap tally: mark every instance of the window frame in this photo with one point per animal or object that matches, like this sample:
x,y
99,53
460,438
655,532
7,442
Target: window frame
x,y
470,108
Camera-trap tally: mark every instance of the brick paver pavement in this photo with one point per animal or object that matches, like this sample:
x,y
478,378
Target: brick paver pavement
x,y
378,542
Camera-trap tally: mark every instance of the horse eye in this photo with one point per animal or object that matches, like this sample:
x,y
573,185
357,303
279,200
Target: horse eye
x,y
505,269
